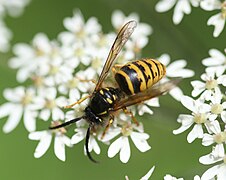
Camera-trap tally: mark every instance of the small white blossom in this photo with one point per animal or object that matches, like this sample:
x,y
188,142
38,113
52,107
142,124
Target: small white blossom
x,y
176,66
169,177
200,114
216,62
218,107
121,145
80,135
13,7
5,36
218,170
208,87
45,137
20,105
218,138
50,105
181,7
146,176
217,20
139,39
78,29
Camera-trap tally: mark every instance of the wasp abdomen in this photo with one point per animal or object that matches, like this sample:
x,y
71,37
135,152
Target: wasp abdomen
x,y
139,75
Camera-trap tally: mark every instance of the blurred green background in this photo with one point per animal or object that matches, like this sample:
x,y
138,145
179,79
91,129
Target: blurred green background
x,y
171,154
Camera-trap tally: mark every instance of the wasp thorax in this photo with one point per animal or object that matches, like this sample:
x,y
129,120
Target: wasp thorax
x,y
217,109
211,84
220,137
200,118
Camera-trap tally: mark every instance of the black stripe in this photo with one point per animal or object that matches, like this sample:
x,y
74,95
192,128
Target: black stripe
x,y
150,67
156,64
133,77
142,69
121,80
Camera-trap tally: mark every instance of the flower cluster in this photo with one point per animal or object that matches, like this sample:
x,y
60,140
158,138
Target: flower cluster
x,y
182,7
62,71
14,8
208,113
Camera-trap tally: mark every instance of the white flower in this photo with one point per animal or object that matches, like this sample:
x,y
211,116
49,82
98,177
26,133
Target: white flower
x,y
169,177
149,173
139,39
216,62
208,87
145,106
5,36
49,104
181,7
20,105
176,66
146,176
200,114
217,20
219,137
13,7
32,60
78,29
218,170
217,107
45,138
121,145
80,135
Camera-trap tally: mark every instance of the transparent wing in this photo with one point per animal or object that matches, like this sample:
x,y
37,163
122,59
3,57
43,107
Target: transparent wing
x,y
150,93
119,42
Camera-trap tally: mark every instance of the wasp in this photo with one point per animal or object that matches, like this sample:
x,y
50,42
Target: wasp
x,y
135,84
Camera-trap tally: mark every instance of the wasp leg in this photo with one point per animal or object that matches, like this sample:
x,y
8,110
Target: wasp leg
x,y
111,120
87,80
77,102
115,68
128,112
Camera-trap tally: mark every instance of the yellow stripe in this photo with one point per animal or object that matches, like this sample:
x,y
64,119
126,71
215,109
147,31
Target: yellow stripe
x,y
147,72
140,76
109,101
129,83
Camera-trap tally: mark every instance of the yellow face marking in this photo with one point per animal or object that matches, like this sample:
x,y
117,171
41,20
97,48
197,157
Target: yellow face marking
x,y
107,89
140,76
114,97
109,101
128,81
101,92
102,113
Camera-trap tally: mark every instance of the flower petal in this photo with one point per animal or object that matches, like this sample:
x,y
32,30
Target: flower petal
x,y
125,150
139,139
43,145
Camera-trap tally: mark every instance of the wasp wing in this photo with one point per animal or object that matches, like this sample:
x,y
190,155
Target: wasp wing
x,y
150,93
119,42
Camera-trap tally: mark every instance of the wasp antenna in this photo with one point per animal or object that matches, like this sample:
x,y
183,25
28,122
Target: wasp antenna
x,y
67,123
87,146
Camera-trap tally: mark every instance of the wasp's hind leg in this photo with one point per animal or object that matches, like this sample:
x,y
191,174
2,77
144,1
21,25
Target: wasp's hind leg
x,y
128,112
77,102
87,80
111,120
115,68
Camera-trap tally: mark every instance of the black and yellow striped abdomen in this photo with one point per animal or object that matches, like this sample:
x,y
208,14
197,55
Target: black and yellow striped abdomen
x,y
139,75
